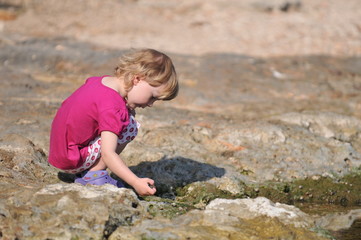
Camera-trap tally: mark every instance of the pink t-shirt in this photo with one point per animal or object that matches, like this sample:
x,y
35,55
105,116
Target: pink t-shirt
x,y
91,109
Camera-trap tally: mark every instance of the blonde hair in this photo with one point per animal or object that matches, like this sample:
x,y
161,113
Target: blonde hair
x,y
156,67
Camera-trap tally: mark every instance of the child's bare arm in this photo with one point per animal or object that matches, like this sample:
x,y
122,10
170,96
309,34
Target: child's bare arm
x,y
111,158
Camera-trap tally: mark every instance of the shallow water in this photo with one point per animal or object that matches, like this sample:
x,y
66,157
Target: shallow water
x,y
322,209
353,233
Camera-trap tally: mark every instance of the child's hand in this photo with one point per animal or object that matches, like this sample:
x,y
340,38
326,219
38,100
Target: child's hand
x,y
145,186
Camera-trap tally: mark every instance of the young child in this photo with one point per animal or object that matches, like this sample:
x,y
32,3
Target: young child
x,y
94,124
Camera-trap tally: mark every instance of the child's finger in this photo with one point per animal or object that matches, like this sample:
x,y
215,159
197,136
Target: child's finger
x,y
153,190
150,181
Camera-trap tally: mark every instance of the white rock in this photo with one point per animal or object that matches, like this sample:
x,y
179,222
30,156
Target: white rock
x,y
261,206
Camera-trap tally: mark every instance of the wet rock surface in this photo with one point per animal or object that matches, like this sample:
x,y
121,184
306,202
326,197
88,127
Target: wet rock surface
x,y
228,219
246,133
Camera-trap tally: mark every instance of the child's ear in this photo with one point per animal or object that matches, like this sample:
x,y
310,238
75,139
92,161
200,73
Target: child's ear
x,y
136,79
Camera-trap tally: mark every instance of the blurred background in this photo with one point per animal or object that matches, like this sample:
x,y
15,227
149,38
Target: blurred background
x,y
252,27
229,54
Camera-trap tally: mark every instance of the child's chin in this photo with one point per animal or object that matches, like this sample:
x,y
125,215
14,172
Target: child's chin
x,y
132,107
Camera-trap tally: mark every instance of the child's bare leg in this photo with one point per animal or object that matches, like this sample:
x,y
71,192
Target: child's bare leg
x,y
97,175
98,165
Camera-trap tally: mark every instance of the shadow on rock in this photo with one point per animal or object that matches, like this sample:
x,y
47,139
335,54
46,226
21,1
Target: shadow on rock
x,y
170,173
66,177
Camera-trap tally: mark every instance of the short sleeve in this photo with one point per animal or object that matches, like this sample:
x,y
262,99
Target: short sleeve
x,y
113,120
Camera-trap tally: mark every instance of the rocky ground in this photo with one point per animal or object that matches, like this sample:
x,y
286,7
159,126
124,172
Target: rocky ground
x,y
263,140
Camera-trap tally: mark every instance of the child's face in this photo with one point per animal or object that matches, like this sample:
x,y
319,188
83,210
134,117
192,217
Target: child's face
x,y
142,94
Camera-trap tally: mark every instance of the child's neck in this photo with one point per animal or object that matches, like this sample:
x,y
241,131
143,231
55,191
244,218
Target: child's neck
x,y
116,84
